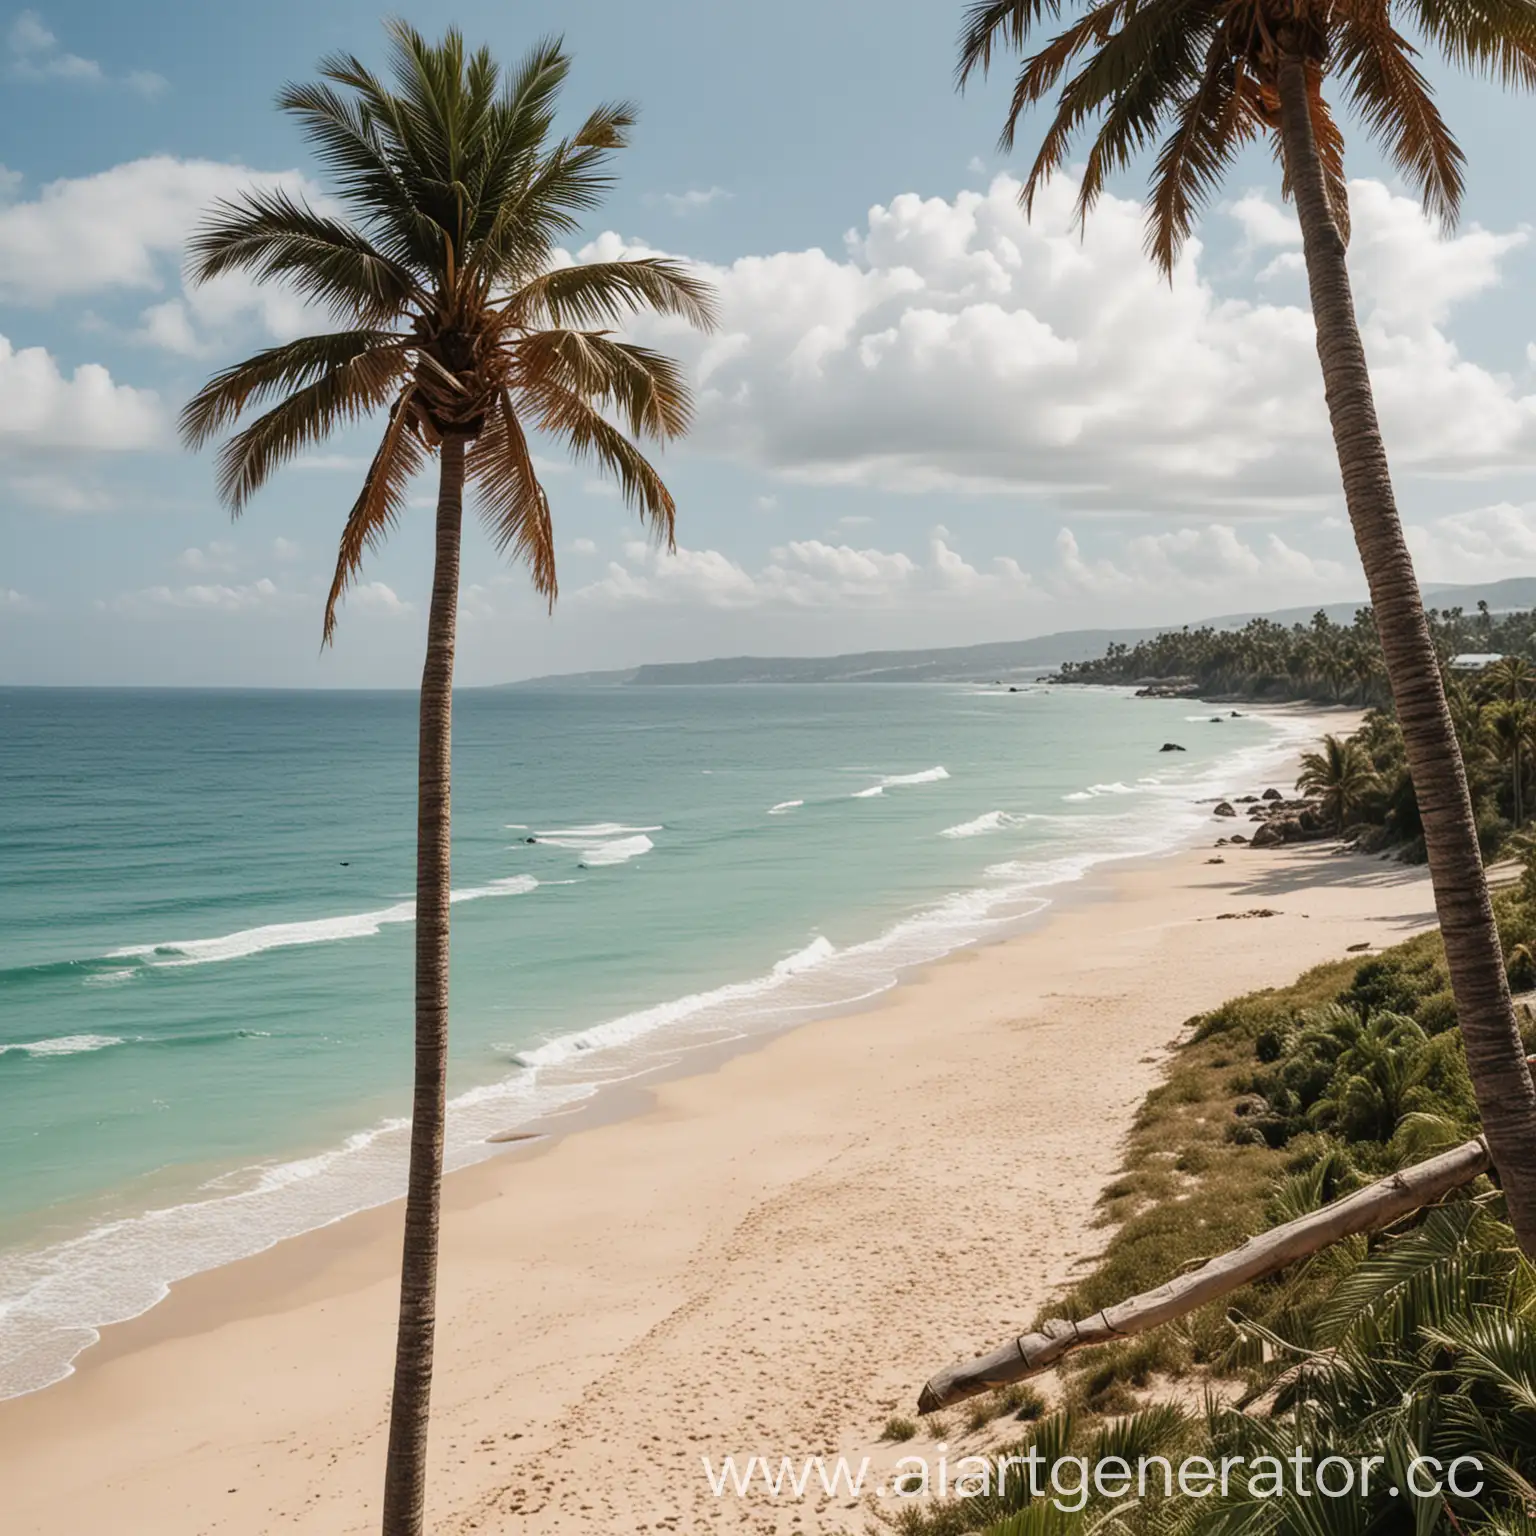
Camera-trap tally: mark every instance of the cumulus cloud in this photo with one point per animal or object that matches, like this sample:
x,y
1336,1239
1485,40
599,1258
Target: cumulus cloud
x,y
37,55
1214,563
123,230
1483,544
955,345
204,597
41,407
16,603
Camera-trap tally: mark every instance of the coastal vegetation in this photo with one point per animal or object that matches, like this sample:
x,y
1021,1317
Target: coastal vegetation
x,y
466,330
1417,1340
1321,662
1210,78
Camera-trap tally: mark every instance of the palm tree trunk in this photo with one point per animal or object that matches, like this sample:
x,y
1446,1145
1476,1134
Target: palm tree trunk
x,y
1506,1098
405,1475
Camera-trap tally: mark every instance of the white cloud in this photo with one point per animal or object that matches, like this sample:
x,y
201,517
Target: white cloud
x,y
14,602
36,55
285,549
204,597
57,490
1210,560
583,547
1483,544
955,345
378,597
123,230
42,408
692,201
217,558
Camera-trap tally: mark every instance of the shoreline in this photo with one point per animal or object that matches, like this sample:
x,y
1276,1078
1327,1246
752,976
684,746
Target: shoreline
x,y
573,1089
675,1211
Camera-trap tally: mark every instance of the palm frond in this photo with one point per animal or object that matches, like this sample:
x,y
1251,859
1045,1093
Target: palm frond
x,y
293,365
989,23
512,501
1491,37
1211,125
591,439
396,462
272,236
608,292
647,388
1396,105
307,416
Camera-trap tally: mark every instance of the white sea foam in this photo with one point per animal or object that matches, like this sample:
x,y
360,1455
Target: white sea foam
x,y
784,807
65,1045
320,930
992,821
900,780
603,843
620,851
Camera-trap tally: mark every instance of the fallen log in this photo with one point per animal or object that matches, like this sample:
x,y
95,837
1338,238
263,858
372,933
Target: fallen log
x,y
1377,1205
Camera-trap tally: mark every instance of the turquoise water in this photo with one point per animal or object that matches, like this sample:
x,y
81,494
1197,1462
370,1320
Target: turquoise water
x,y
205,923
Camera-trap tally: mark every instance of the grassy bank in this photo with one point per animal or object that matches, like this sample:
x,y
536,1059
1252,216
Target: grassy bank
x,y
1423,1337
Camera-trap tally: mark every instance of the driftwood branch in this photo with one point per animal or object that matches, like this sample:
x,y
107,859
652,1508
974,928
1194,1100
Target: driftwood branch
x,y
1377,1205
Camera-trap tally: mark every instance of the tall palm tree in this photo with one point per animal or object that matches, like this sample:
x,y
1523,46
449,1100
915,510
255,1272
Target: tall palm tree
x,y
1210,77
465,328
1342,778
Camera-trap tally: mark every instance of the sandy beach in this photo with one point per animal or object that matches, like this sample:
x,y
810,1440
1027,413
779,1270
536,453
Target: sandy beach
x,y
766,1256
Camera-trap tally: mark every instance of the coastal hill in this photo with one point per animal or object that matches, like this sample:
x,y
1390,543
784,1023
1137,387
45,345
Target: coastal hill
x,y
1007,660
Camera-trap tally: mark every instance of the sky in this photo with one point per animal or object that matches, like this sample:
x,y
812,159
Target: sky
x,y
924,420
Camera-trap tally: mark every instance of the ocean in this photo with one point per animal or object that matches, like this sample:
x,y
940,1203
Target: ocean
x,y
206,923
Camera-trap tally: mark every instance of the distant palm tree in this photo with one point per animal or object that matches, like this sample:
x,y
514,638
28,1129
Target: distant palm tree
x,y
466,328
1341,777
1509,724
1510,677
1216,76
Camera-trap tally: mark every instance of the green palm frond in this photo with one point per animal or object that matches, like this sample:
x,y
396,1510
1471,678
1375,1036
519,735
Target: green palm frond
x,y
604,293
274,236
294,365
646,389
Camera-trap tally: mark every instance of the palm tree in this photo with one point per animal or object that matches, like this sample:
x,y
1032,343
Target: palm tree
x,y
1511,678
1342,778
1509,723
1214,76
465,328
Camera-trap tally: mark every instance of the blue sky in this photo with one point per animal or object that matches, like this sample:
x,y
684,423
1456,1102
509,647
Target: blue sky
x,y
924,422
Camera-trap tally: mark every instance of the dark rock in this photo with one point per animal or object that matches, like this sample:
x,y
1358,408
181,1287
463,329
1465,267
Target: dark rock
x,y
1217,860
1236,715
1354,949
1013,690
1237,837
1251,1104
1269,835
1221,842
1311,823
1246,800
1171,746
1223,809
1216,719
1273,794
530,839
